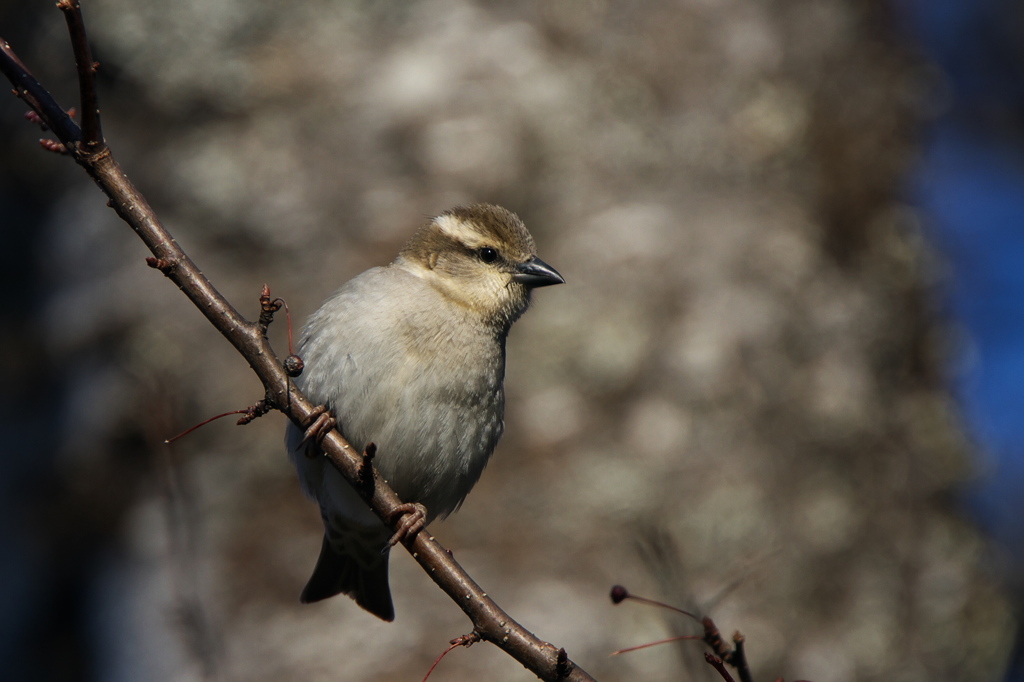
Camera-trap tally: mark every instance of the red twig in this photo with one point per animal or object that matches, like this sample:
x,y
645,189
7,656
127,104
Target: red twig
x,y
203,423
248,414
620,593
288,316
660,641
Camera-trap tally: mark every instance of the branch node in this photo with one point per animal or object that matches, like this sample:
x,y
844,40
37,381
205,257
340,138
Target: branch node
x,y
164,265
268,307
713,638
293,365
462,640
255,411
562,665
466,640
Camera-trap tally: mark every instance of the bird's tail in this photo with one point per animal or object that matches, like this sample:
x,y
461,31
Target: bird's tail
x,y
339,573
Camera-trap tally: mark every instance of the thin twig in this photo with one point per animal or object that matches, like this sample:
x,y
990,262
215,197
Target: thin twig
x,y
620,593
638,647
36,96
92,134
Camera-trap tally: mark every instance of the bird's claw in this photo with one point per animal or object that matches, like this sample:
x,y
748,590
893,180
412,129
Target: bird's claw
x,y
414,518
321,423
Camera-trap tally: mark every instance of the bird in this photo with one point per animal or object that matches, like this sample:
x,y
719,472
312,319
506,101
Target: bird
x,y
409,359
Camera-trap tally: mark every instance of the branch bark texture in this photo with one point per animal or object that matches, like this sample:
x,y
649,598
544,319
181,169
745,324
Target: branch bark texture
x,y
87,147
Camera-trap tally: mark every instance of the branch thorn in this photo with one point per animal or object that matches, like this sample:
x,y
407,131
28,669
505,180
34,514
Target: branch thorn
x,y
366,467
562,666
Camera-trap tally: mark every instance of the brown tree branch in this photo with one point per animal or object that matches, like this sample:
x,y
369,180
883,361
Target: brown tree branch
x,y
89,150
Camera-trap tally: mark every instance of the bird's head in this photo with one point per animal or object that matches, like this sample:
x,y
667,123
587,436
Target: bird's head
x,y
480,257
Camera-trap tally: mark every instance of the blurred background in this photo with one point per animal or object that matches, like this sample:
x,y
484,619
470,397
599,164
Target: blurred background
x,y
781,386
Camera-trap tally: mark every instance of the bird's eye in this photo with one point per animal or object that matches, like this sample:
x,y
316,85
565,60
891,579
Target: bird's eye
x,y
487,254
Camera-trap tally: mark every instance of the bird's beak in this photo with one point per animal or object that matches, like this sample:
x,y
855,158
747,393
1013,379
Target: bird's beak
x,y
536,273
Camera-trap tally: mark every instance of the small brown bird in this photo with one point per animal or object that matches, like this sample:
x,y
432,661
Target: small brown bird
x,y
411,357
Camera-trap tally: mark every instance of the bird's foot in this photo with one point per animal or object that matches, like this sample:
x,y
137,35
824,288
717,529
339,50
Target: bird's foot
x,y
320,424
414,518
